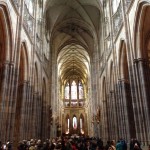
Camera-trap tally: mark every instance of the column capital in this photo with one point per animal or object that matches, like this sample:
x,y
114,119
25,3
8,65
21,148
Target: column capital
x,y
123,80
140,60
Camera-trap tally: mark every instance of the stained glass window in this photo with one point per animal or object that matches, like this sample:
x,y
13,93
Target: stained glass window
x,y
81,126
67,91
80,123
68,123
80,91
74,90
73,93
74,122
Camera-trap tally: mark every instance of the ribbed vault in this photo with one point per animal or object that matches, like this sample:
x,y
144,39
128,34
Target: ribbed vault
x,y
73,62
74,27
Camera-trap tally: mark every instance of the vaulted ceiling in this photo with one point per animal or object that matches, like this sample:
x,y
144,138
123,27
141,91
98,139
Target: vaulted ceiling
x,y
74,27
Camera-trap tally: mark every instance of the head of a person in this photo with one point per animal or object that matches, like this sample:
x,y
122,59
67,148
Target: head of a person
x,y
112,142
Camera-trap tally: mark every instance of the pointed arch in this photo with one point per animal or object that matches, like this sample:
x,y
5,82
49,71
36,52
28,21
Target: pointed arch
x,y
24,65
141,29
6,34
123,64
141,38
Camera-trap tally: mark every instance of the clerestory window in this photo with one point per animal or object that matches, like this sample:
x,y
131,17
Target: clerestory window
x,y
74,93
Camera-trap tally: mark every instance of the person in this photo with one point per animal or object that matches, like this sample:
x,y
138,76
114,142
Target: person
x,y
73,145
136,147
107,145
97,148
88,146
132,144
124,144
119,145
112,145
68,145
9,146
39,145
1,145
20,146
32,146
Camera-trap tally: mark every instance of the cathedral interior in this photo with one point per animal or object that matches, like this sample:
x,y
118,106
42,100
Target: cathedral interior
x,y
75,67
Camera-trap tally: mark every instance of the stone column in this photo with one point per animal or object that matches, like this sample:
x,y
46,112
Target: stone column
x,y
127,110
4,76
24,110
109,119
30,111
32,129
113,116
143,96
119,109
48,122
105,121
36,126
39,116
43,118
10,101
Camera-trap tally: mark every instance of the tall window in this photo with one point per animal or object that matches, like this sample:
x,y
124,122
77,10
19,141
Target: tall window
x,y
74,90
80,91
68,121
67,124
74,122
81,125
74,93
67,91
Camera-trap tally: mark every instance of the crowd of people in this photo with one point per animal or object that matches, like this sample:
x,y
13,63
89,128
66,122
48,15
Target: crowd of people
x,y
72,143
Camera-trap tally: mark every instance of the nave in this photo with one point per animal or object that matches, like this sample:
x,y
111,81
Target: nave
x,y
74,67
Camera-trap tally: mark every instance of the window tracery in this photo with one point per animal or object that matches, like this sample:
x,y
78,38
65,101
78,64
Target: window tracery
x,y
73,90
74,94
80,90
117,17
67,91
